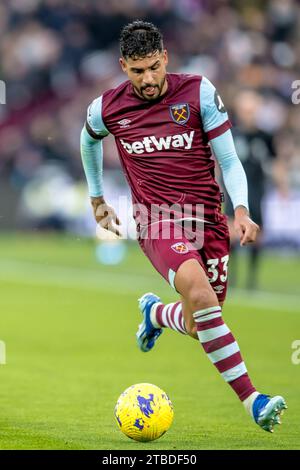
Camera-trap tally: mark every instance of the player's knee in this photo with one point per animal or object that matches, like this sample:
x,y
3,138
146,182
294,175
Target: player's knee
x,y
202,298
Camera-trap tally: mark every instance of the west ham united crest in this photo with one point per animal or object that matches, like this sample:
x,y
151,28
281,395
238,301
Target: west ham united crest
x,y
180,248
180,113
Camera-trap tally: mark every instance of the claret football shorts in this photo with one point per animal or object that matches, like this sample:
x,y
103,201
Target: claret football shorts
x,y
167,248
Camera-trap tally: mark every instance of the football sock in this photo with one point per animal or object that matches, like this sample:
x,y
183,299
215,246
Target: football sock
x,y
248,403
223,351
168,316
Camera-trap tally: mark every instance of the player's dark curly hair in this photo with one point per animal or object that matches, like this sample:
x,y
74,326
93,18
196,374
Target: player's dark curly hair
x,y
140,38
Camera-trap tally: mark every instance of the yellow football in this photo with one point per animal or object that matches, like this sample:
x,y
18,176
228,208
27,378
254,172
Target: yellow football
x,y
144,412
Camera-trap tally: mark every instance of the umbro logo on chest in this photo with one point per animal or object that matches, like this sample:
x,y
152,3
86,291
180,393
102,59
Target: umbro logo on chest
x,y
180,114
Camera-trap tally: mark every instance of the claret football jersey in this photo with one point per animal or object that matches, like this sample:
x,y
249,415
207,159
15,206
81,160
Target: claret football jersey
x,y
164,144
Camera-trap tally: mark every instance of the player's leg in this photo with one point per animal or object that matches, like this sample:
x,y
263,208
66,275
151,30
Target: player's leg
x,y
192,283
157,316
187,315
214,259
189,322
172,316
200,316
204,317
165,254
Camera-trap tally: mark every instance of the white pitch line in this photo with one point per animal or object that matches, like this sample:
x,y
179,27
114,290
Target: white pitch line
x,y
31,273
42,274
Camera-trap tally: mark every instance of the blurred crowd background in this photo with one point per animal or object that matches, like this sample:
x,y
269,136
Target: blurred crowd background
x,y
56,56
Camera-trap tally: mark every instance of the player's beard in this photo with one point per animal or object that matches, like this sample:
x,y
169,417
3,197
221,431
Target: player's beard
x,y
155,91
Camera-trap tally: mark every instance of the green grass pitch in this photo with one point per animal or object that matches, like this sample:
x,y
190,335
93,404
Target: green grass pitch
x,y
69,327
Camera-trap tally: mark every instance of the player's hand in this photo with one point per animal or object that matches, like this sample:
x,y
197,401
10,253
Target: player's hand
x,y
246,229
105,215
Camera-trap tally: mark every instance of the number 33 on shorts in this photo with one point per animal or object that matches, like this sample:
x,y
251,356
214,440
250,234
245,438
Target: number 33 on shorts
x,y
217,269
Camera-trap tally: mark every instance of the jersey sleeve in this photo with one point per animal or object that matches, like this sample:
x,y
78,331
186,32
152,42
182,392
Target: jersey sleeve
x,y
92,160
234,175
94,120
213,113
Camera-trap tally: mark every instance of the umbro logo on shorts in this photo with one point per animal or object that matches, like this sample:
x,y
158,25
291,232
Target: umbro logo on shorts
x,y
219,289
180,248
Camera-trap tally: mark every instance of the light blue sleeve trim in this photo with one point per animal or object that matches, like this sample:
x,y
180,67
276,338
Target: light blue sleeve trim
x,y
94,117
212,109
234,176
92,160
